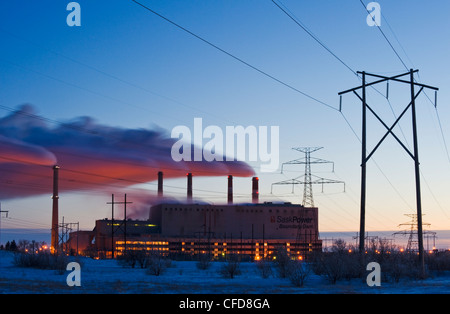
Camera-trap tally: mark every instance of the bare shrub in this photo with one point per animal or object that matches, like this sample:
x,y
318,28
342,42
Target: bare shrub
x,y
41,260
132,258
282,262
204,261
337,264
298,272
157,264
231,267
265,268
438,261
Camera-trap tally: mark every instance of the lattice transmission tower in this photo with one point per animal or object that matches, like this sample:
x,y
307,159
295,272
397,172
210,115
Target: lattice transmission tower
x,y
411,231
308,179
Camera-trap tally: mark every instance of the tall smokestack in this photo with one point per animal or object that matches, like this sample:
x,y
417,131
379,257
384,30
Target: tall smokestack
x,y
230,189
189,186
255,190
55,197
160,184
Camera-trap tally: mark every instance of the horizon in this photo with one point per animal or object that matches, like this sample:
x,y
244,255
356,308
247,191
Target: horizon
x,y
102,98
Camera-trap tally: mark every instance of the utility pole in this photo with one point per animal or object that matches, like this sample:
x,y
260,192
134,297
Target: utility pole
x,y
414,155
124,223
1,212
55,212
64,237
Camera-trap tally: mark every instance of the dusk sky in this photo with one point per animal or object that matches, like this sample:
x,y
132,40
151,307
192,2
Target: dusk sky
x,y
128,77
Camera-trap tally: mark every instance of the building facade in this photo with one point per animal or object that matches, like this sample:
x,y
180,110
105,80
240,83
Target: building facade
x,y
187,230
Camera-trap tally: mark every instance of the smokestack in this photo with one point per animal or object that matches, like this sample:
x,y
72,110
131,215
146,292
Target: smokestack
x,y
160,184
55,197
230,189
255,192
189,186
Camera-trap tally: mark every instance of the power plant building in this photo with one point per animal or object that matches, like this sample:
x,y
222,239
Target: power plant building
x,y
250,221
254,229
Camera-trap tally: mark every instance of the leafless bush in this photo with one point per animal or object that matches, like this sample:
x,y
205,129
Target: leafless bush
x,y
337,264
133,257
341,263
231,267
438,261
282,262
204,261
41,260
265,268
298,272
157,264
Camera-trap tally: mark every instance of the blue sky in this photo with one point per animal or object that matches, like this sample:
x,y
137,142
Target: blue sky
x,y
126,67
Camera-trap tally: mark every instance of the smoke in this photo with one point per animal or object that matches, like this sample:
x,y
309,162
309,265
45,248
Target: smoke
x,y
91,157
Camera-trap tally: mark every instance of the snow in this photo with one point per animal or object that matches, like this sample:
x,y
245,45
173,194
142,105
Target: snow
x,y
183,277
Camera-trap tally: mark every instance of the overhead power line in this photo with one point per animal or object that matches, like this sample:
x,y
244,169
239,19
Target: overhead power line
x,y
299,23
235,57
387,39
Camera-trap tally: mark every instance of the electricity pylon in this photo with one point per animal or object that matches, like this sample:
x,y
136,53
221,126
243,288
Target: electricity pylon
x,y
412,233
414,155
308,199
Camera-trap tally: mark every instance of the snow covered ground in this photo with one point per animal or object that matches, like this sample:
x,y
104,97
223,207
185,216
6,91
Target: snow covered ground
x,y
106,276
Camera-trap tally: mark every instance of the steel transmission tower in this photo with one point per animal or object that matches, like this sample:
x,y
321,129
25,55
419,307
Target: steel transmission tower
x,y
412,233
307,181
414,154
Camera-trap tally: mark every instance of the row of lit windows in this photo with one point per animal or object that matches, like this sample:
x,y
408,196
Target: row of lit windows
x,y
142,243
285,211
132,248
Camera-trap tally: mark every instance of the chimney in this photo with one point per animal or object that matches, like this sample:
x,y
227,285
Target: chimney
x,y
230,189
255,192
189,186
55,197
160,184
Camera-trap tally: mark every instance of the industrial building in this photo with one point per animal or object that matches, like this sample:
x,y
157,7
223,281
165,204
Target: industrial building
x,y
256,230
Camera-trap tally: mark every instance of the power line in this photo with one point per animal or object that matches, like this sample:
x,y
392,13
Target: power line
x,y
234,57
385,37
431,102
253,67
106,74
299,23
84,89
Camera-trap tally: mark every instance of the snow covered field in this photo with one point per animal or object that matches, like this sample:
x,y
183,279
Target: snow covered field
x,y
107,277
